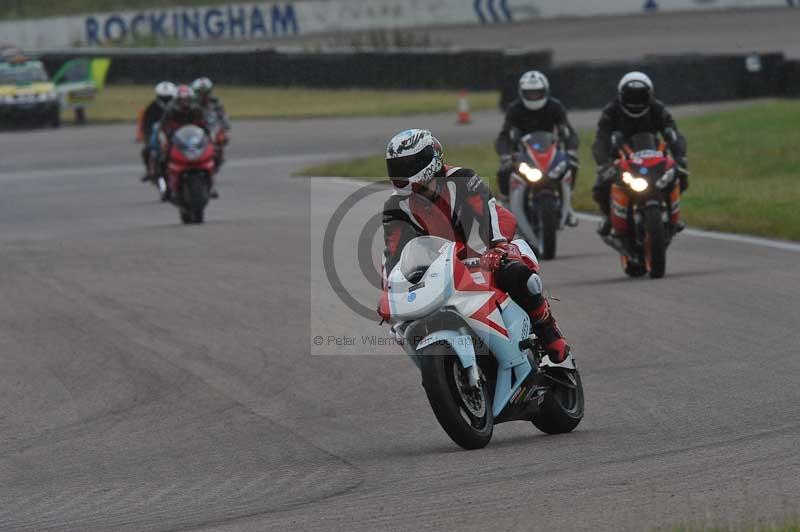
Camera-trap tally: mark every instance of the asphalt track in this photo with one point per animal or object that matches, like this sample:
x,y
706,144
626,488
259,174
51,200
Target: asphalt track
x,y
161,377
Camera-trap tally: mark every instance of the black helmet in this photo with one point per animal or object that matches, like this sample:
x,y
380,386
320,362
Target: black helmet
x,y
635,92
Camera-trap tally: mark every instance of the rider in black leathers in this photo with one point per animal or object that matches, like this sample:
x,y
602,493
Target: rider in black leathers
x,y
635,110
153,113
534,110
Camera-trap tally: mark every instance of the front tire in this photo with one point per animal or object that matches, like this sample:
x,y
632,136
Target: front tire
x,y
655,243
464,414
547,211
195,199
633,269
562,408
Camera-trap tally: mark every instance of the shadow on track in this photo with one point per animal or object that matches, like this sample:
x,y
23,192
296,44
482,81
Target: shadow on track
x,y
623,279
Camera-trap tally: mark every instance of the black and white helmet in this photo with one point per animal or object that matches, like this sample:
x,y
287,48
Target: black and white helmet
x,y
165,92
635,93
534,90
413,157
202,86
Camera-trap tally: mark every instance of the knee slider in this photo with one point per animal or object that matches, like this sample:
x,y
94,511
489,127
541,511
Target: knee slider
x,y
524,286
534,285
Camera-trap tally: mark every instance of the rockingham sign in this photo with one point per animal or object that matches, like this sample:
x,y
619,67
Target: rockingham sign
x,y
262,21
232,22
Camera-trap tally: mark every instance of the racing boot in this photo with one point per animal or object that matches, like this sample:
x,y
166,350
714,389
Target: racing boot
x,y
677,225
566,196
604,229
545,327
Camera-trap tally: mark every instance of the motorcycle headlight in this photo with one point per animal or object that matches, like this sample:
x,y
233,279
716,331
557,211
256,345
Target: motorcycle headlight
x,y
666,179
627,177
639,184
558,171
531,174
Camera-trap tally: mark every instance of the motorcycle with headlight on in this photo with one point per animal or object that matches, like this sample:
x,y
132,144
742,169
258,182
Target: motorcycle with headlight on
x,y
644,199
539,187
190,172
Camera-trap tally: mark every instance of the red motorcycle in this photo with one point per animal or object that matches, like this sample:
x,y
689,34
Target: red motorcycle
x,y
645,199
190,172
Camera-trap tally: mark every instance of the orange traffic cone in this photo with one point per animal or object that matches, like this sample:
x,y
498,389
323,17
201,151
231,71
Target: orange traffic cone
x,y
464,116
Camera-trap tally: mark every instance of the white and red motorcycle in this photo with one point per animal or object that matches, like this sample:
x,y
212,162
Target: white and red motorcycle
x,y
480,363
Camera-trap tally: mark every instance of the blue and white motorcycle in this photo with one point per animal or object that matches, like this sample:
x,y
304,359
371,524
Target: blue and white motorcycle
x,y
480,363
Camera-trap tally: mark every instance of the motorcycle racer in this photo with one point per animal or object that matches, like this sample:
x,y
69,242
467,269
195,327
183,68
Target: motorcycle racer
x,y
182,111
535,110
215,114
431,198
202,88
635,110
153,113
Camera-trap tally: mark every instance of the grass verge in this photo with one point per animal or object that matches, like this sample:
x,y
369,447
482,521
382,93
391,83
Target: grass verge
x,y
122,103
792,526
745,167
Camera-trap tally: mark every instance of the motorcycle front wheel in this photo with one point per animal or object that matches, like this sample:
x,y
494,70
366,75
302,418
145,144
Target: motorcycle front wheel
x,y
195,198
562,408
655,243
547,211
465,413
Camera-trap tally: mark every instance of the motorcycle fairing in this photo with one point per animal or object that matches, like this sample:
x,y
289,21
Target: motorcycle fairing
x,y
543,158
461,344
516,200
494,318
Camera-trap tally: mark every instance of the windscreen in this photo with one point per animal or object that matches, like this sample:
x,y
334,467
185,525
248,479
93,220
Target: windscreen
x,y
643,141
419,254
22,75
539,140
190,137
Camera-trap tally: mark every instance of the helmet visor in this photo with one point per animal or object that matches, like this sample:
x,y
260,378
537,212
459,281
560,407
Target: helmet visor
x,y
533,95
404,168
636,99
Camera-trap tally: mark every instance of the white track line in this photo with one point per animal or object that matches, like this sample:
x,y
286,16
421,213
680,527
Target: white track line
x,y
136,169
782,245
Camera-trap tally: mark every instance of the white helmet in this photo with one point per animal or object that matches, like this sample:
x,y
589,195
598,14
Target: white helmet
x,y
635,93
413,157
165,91
534,90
